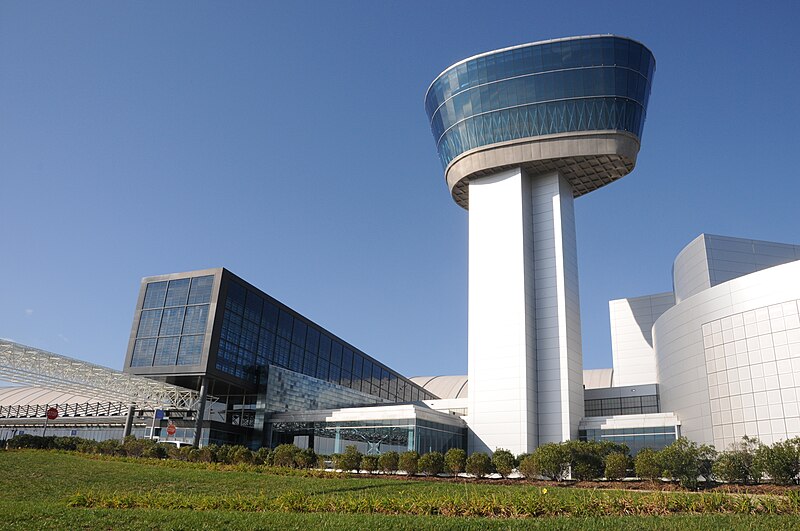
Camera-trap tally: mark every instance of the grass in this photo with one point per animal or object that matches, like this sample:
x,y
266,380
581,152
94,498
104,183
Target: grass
x,y
55,490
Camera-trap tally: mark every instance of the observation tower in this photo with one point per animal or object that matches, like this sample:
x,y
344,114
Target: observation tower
x,y
521,132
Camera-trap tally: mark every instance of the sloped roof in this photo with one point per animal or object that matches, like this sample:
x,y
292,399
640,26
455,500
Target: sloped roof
x,y
597,378
443,386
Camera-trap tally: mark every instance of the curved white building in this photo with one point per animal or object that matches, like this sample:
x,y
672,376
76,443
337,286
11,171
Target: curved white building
x,y
728,353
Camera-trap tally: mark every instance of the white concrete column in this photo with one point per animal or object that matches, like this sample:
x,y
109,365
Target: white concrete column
x,y
525,366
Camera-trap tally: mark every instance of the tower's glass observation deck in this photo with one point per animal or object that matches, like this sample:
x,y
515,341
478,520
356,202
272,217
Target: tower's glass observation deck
x,y
488,111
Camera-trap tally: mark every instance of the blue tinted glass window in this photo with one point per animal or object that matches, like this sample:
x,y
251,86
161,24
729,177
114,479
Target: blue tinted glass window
x,y
285,325
200,290
296,358
177,292
149,322
312,340
166,351
191,350
172,321
347,360
154,295
325,347
310,364
269,318
336,354
299,333
335,374
143,353
323,369
252,310
282,352
195,321
234,300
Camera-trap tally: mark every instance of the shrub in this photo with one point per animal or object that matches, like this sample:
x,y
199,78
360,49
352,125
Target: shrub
x,y
388,462
369,463
781,461
241,455
455,460
109,447
133,447
264,456
519,458
503,462
432,463
738,463
527,467
616,466
479,465
284,455
647,464
587,458
306,458
550,460
408,461
349,460
684,461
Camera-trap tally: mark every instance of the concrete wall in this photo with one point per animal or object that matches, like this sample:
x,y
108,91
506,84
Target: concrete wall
x,y
632,339
525,365
728,358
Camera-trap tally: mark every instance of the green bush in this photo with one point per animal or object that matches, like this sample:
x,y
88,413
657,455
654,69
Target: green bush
x,y
264,456
518,459
587,458
241,455
684,461
431,464
550,460
285,455
737,464
306,458
408,462
349,460
479,465
455,460
616,466
388,462
781,461
503,462
109,447
647,464
369,463
528,468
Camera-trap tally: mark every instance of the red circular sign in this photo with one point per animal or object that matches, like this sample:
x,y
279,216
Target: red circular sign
x,y
171,429
52,413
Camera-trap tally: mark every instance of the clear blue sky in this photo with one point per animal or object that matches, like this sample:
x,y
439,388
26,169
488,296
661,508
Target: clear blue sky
x,y
288,142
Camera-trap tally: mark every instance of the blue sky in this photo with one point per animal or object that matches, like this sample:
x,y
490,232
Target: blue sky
x,y
288,142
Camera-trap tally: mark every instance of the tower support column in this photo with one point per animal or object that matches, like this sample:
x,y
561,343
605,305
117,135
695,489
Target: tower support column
x,y
525,365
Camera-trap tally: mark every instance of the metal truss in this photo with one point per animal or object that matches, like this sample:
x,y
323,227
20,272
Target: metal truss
x,y
32,366
95,409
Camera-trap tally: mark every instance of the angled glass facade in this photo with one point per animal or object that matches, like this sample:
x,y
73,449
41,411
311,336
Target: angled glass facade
x,y
172,324
257,331
578,84
253,354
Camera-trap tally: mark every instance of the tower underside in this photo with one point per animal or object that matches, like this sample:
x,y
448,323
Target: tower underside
x,y
525,363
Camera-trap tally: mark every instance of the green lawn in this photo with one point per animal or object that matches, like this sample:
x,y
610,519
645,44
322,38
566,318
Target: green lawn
x,y
53,490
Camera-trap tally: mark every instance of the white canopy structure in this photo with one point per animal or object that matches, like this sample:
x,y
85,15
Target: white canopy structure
x,y
31,366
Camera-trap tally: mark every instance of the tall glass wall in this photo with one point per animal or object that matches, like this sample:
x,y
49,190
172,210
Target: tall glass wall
x,y
173,322
584,84
256,331
627,405
371,437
